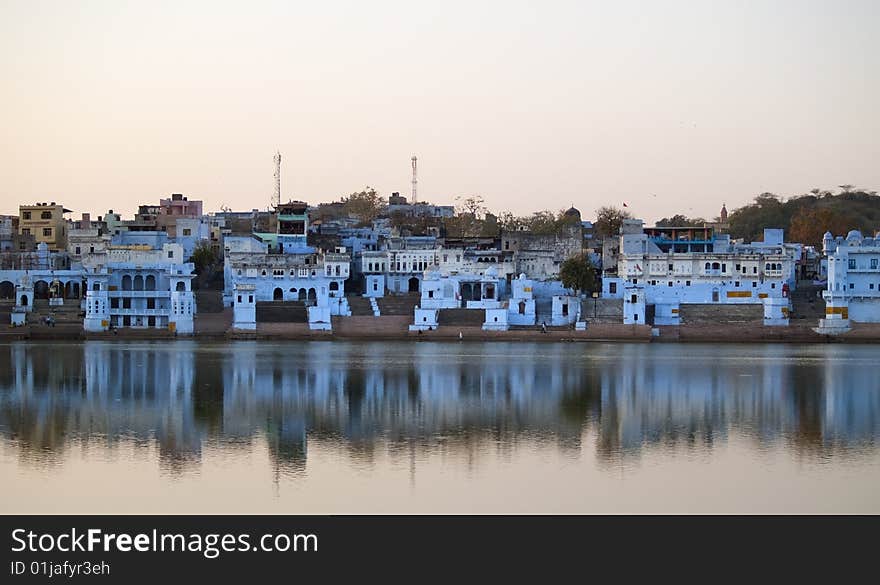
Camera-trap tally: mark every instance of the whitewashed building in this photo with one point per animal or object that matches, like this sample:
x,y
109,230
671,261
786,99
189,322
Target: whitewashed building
x,y
139,287
717,271
853,289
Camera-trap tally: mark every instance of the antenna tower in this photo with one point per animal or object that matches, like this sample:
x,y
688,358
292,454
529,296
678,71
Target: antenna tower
x,y
415,198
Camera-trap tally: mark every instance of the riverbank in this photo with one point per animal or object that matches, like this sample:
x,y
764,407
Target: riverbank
x,y
396,329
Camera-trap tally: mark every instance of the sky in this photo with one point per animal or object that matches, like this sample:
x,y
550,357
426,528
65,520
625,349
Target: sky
x,y
670,107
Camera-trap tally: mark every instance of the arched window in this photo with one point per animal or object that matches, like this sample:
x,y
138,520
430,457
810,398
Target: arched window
x,y
150,283
138,282
708,266
126,282
767,266
334,285
277,294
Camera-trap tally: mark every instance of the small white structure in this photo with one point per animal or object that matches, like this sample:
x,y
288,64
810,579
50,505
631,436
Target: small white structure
x,y
425,319
634,305
244,308
521,308
564,309
853,290
496,319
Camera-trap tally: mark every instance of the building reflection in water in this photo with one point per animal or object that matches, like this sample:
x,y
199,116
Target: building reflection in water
x,y
405,398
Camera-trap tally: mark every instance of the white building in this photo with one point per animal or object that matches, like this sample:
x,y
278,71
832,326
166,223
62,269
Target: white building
x,y
715,272
139,287
853,289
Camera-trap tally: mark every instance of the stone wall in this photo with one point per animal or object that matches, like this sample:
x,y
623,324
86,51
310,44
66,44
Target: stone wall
x,y
691,314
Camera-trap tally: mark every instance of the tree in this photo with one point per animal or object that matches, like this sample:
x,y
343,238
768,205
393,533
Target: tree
x,y
203,256
365,205
809,225
578,274
473,206
679,220
608,221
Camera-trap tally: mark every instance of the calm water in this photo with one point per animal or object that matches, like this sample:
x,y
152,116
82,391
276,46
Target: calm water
x,y
438,427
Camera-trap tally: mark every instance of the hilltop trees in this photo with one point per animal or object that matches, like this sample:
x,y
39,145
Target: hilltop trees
x,y
806,217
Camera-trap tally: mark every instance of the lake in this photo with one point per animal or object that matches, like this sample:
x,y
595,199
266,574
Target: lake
x,y
410,427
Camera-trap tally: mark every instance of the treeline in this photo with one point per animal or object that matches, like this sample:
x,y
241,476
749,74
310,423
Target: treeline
x,y
807,217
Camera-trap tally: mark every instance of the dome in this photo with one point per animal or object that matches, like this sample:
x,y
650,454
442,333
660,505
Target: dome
x,y
491,272
572,212
828,236
854,235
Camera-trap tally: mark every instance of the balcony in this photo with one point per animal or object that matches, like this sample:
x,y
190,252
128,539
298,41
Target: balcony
x,y
140,294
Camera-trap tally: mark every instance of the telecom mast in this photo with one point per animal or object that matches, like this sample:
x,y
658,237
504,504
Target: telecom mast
x,y
415,182
276,196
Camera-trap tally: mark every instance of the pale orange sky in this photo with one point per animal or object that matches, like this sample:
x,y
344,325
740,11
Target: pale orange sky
x,y
673,107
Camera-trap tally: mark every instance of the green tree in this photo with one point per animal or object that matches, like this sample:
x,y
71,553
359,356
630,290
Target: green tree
x,y
365,205
578,274
679,220
203,256
609,220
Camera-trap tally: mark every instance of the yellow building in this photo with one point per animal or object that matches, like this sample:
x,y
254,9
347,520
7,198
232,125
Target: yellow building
x,y
45,222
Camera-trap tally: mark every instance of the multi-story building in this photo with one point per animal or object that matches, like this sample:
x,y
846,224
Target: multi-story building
x,y
853,289
140,287
282,267
671,275
46,223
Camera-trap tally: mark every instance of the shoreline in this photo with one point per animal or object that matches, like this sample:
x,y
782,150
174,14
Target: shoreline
x,y
607,333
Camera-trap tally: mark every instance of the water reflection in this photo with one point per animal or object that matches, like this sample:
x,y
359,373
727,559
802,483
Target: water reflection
x,y
622,401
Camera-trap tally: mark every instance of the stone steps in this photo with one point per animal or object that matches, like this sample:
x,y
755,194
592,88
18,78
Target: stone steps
x,y
282,312
461,317
360,306
399,305
209,301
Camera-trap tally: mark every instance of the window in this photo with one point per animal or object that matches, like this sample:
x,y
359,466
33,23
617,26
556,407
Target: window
x,y
171,253
754,270
46,215
852,263
873,264
737,267
114,303
772,285
634,299
26,215
670,283
239,299
77,250
151,303
754,284
687,282
612,288
187,232
724,268
25,231
670,268
736,284
47,232
635,280
126,303
852,286
250,298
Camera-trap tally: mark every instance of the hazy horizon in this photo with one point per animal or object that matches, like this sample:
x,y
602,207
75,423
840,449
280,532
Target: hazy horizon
x,y
673,107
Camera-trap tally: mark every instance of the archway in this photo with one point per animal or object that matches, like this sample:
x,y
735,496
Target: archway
x,y
138,282
126,282
150,282
24,300
41,289
302,294
278,295
7,290
313,295
96,286
71,290
413,284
